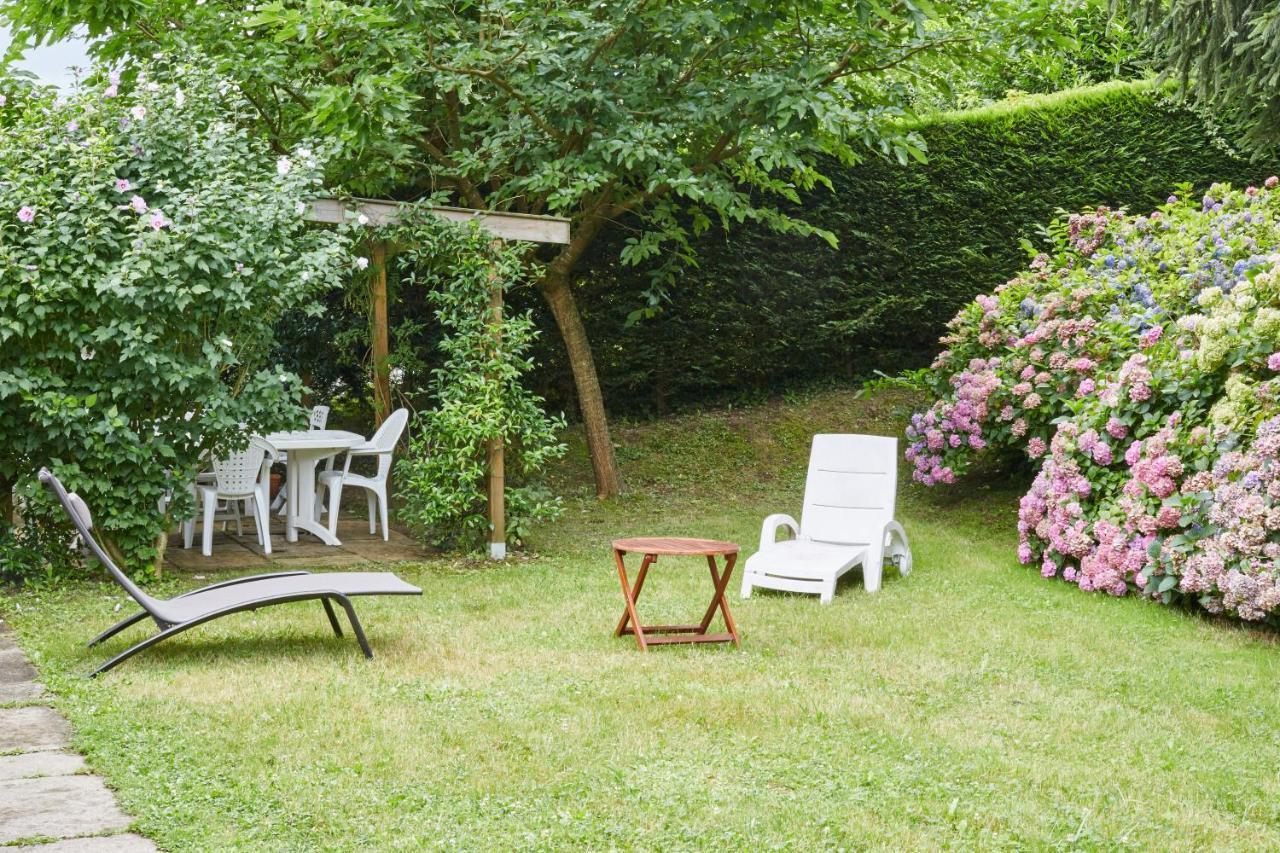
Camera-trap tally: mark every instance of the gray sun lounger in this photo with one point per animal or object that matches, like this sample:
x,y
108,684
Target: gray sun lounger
x,y
175,615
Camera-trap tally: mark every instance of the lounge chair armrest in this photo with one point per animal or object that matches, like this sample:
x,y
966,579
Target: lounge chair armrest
x,y
245,579
769,530
894,545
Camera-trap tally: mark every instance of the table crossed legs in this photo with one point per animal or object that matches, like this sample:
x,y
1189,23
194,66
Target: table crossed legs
x,y
630,623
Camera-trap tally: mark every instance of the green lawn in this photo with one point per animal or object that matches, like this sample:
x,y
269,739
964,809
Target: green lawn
x,y
970,705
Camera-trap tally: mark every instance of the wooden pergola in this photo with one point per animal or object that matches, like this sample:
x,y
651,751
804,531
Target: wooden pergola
x,y
502,226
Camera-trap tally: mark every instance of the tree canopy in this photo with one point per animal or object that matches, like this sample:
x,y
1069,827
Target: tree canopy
x,y
1225,54
669,117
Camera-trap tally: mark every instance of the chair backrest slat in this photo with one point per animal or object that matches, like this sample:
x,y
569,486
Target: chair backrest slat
x,y
237,473
384,441
388,435
851,488
319,417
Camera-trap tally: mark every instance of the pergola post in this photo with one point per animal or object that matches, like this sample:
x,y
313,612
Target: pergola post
x,y
379,333
496,455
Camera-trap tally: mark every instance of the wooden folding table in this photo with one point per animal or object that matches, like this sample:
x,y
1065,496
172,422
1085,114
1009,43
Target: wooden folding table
x,y
652,548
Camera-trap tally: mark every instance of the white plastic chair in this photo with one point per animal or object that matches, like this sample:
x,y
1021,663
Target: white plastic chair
x,y
847,521
319,419
243,476
382,445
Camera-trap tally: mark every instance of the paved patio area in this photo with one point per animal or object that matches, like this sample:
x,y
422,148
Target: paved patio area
x,y
47,798
231,551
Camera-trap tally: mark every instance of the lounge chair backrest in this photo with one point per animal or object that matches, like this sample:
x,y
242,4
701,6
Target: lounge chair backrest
x,y
83,520
851,489
237,474
319,417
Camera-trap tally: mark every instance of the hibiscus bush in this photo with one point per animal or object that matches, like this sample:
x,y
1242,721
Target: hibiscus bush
x,y
1136,366
147,246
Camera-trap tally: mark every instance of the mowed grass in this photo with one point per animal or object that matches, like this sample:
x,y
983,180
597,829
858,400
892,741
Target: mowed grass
x,y
971,704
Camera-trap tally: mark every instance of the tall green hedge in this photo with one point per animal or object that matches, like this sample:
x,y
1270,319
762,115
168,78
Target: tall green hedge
x,y
765,312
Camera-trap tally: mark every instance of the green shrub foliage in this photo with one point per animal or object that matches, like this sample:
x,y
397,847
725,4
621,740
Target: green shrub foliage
x,y
477,391
147,247
916,242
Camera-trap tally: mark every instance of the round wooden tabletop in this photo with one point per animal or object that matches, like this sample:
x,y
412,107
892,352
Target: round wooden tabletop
x,y
675,545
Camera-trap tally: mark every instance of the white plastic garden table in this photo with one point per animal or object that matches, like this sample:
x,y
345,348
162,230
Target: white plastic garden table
x,y
306,448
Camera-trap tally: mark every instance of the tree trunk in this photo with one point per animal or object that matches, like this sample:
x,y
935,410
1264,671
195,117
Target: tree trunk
x,y
556,289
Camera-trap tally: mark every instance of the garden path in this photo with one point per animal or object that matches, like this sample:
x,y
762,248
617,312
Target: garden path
x,y
46,797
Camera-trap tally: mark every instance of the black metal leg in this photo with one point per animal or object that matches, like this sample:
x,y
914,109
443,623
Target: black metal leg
x,y
333,618
355,625
169,630
145,644
118,627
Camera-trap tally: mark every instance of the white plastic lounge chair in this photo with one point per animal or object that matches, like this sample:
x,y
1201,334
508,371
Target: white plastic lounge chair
x,y
382,445
221,599
847,521
240,477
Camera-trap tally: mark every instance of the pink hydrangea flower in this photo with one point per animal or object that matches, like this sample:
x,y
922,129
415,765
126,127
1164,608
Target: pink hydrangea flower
x,y
1270,183
1036,447
26,213
1273,361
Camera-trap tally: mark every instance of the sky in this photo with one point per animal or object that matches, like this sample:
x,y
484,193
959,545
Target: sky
x,y
51,63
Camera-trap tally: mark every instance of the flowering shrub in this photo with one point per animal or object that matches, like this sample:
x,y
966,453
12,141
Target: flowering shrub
x,y
1137,366
147,245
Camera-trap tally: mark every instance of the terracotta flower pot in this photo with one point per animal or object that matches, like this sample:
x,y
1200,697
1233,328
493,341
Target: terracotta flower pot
x,y
277,482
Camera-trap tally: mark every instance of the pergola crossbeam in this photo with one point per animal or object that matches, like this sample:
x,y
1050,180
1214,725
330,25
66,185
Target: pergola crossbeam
x,y
505,226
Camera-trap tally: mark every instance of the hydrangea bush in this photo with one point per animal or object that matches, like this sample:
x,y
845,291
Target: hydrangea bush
x,y
147,245
1136,366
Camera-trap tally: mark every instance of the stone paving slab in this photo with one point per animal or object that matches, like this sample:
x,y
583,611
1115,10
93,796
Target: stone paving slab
x,y
17,676
21,692
57,807
32,729
28,764
14,668
127,843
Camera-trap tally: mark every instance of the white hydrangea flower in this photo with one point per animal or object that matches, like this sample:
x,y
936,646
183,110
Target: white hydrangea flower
x,y
362,220
139,112
362,263
283,165
179,98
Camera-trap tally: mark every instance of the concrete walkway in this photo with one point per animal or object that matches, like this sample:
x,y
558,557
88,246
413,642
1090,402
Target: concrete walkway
x,y
47,799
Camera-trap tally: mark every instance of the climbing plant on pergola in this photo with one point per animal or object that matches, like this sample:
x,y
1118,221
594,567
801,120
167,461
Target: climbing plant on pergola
x,y
501,226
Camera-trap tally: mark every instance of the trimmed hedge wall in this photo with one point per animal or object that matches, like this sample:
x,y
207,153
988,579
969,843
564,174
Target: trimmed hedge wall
x,y
764,312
